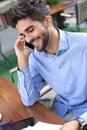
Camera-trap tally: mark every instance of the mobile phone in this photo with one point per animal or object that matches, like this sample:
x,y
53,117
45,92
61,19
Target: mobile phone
x,y
20,124
29,46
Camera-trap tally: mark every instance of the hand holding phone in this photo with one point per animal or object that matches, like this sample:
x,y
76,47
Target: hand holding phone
x,y
29,46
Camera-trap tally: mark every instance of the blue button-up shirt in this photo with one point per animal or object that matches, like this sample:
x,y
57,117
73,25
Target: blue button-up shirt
x,y
65,72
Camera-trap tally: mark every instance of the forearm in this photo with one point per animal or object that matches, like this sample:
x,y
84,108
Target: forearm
x,y
22,63
21,53
72,125
29,86
26,87
75,124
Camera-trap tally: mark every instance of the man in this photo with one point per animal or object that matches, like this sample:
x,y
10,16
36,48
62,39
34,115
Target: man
x,y
59,58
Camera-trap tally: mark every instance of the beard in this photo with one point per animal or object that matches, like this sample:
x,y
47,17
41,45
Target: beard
x,y
45,38
44,41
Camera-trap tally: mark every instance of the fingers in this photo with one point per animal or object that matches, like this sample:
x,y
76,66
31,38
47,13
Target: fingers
x,y
61,128
19,42
20,47
0,116
20,39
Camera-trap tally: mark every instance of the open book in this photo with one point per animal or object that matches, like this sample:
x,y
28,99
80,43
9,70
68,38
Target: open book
x,y
43,126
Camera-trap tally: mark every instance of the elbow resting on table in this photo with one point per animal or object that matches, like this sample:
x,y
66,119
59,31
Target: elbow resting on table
x,y
29,103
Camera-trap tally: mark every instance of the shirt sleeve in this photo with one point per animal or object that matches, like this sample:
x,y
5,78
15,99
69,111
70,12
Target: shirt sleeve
x,y
84,116
29,87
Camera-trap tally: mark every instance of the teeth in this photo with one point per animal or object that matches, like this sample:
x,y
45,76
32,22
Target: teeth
x,y
0,116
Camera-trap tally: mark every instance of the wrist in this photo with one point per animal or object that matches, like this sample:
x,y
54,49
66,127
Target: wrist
x,y
22,64
81,122
77,124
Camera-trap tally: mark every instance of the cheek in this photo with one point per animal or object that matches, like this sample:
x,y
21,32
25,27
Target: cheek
x,y
40,31
38,34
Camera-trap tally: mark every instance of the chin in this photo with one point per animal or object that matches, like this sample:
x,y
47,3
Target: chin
x,y
39,49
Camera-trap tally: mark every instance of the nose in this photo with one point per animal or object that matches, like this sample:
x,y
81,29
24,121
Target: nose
x,y
28,38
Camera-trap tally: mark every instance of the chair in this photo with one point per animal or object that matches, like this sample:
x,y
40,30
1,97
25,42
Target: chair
x,y
1,53
12,72
80,13
5,5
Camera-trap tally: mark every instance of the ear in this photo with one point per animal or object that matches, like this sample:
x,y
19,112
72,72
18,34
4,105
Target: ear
x,y
48,20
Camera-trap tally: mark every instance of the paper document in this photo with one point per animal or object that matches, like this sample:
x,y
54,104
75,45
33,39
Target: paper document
x,y
43,126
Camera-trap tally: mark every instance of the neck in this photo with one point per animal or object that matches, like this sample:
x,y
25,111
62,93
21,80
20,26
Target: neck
x,y
53,44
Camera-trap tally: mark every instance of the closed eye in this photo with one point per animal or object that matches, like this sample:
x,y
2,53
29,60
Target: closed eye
x,y
30,29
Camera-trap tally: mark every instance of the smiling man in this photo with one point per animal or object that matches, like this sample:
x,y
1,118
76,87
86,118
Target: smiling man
x,y
59,58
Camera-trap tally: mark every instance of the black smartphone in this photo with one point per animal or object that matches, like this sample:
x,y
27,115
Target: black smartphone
x,y
29,46
20,124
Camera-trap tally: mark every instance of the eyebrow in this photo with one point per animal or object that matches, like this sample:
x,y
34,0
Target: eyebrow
x,y
28,28
21,34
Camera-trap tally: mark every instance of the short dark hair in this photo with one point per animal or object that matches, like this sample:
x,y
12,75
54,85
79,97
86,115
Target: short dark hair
x,y
34,9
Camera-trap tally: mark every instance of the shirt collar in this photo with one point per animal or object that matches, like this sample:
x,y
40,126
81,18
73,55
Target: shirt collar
x,y
63,42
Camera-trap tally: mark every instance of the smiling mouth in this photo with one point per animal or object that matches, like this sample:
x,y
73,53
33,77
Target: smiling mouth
x,y
35,39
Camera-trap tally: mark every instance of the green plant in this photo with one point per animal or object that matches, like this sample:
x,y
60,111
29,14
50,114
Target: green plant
x,y
51,2
1,0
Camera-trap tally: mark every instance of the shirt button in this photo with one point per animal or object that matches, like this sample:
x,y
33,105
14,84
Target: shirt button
x,y
61,70
65,85
22,76
26,74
